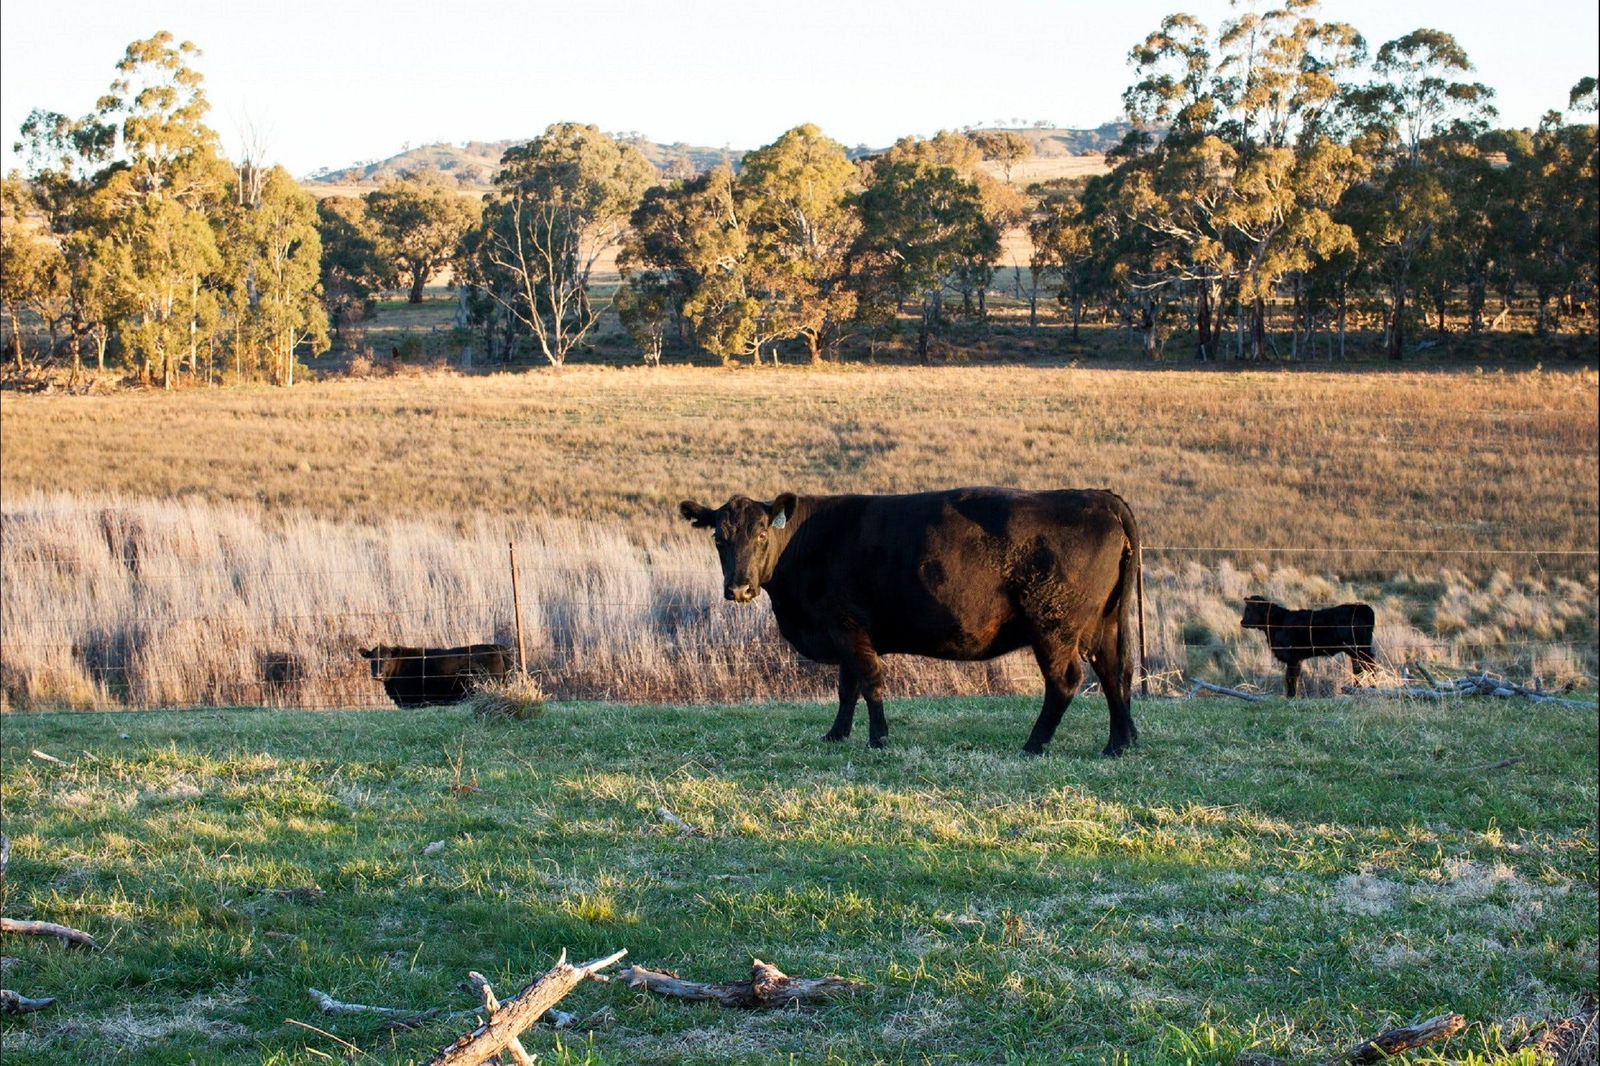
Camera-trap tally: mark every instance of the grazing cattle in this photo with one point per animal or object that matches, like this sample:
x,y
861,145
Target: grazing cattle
x,y
963,574
1296,636
418,677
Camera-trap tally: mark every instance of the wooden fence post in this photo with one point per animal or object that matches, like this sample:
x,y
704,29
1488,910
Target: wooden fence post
x,y
516,610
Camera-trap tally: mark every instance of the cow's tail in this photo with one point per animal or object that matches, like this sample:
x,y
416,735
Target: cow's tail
x,y
1131,593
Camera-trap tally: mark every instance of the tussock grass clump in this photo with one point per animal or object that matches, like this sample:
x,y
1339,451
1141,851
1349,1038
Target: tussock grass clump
x,y
516,696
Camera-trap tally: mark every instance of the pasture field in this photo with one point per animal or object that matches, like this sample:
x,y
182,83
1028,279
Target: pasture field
x,y
1270,878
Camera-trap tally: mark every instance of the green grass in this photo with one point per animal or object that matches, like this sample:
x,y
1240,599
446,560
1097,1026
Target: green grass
x,y
1270,877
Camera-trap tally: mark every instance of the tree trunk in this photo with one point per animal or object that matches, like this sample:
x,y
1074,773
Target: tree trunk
x,y
1396,344
419,278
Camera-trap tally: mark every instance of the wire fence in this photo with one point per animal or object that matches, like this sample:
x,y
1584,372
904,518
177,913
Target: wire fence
x,y
108,621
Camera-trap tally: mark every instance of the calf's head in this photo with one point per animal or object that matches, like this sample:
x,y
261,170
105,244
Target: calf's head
x,y
381,659
1257,613
748,535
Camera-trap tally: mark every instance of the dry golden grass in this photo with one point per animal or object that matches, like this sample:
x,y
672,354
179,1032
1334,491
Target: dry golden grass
x,y
1377,465
237,546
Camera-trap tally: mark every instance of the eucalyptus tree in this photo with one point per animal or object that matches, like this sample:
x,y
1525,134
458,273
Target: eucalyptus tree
x,y
276,260
1413,110
560,202
420,222
798,206
352,269
163,199
920,221
1237,195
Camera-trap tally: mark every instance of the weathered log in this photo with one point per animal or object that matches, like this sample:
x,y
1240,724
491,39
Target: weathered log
x,y
1207,686
66,933
491,1006
768,987
521,1011
16,1003
1394,1041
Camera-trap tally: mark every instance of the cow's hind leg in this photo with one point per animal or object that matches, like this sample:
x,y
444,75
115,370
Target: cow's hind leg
x,y
1291,678
1362,660
861,660
849,692
1063,673
1115,671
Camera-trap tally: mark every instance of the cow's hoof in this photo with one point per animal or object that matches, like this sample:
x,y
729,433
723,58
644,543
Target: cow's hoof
x,y
834,737
1114,751
1033,753
878,742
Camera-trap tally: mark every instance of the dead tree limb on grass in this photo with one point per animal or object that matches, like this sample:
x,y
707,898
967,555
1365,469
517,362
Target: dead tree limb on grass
x,y
66,933
17,1003
1394,1041
1238,694
768,987
507,1022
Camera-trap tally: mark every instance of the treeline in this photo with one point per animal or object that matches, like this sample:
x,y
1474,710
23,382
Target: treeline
x,y
1280,180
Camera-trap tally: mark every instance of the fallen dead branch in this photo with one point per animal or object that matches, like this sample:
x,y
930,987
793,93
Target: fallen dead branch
x,y
16,1003
1238,694
1481,683
1394,1041
66,933
507,1020
1381,1047
399,1015
768,987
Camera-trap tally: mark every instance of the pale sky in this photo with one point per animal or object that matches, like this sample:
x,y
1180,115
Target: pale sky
x,y
330,83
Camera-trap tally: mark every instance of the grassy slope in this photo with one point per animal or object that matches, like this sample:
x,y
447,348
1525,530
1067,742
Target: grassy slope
x,y
1288,878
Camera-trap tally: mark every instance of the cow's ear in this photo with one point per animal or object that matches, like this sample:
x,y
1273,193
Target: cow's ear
x,y
700,516
782,508
368,653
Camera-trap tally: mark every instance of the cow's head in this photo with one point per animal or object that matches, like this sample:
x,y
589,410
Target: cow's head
x,y
1257,613
749,535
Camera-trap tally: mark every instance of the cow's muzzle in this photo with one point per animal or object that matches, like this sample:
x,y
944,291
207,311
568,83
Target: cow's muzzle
x,y
740,593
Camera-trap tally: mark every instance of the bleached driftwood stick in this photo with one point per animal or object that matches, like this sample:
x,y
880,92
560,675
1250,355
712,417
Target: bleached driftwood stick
x,y
1206,686
66,933
521,1011
328,1005
768,986
673,820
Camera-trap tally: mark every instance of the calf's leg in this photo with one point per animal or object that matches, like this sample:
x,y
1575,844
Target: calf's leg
x,y
861,659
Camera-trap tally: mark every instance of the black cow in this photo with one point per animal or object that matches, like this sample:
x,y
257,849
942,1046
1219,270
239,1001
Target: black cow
x,y
1296,636
419,677
962,574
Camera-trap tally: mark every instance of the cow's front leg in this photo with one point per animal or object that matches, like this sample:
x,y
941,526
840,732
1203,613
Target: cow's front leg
x,y
1291,678
849,692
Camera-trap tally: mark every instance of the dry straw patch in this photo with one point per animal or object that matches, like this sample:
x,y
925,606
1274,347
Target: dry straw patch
x,y
238,546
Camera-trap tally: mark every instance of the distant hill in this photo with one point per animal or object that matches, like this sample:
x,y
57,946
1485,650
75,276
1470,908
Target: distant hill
x,y
474,163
